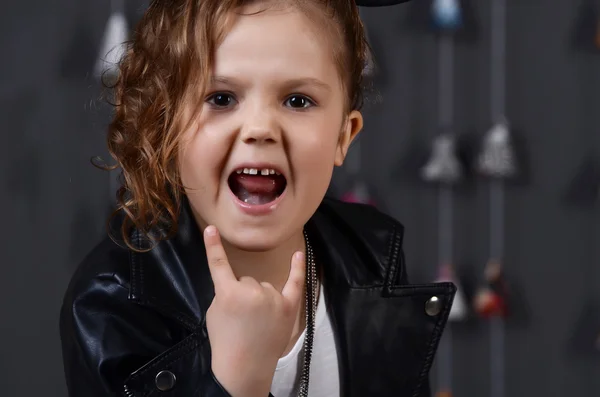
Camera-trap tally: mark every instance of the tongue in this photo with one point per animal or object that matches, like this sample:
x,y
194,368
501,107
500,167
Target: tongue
x,y
255,189
257,183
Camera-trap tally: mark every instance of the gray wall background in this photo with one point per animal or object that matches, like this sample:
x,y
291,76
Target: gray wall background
x,y
54,202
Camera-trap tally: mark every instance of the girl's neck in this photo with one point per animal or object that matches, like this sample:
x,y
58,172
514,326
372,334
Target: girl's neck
x,y
270,266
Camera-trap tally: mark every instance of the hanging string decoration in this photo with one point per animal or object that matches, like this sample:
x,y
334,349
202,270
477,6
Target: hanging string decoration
x,y
497,158
444,168
443,165
491,299
459,309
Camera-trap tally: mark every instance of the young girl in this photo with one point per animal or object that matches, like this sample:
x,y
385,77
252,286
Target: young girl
x,y
227,272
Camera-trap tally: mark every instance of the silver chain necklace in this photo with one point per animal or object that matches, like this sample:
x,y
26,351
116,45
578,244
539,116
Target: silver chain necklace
x,y
311,308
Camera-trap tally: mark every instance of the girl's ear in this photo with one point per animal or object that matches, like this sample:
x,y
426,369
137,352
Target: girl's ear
x,y
353,125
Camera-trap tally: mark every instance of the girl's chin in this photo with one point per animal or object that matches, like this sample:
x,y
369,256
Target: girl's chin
x,y
251,238
254,240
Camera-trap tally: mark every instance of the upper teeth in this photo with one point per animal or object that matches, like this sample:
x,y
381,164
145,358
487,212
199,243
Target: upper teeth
x,y
255,171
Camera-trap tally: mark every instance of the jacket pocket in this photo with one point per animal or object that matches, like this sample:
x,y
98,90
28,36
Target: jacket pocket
x,y
170,373
182,371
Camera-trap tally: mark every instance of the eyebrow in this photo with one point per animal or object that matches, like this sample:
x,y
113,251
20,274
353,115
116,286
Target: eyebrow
x,y
223,80
289,84
308,81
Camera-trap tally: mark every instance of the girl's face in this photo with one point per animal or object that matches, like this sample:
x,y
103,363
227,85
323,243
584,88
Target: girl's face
x,y
272,127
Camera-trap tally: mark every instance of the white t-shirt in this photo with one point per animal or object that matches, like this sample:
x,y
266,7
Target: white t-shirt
x,y
324,374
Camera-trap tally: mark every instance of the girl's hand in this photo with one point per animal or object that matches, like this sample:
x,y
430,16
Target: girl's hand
x,y
249,323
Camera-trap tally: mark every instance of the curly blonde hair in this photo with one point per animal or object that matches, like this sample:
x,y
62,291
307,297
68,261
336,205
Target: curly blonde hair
x,y
166,68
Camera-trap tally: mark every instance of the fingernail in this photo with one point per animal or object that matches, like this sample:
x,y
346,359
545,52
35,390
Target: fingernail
x,y
211,231
299,256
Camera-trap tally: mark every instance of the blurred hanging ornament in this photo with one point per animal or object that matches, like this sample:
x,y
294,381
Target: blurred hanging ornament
x,y
447,14
459,309
443,165
453,17
113,46
359,194
586,31
584,188
497,158
491,299
443,393
585,339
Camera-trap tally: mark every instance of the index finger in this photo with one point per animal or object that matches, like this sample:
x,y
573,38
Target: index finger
x,y
294,287
219,267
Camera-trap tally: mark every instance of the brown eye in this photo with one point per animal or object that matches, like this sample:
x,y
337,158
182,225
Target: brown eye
x,y
221,100
299,102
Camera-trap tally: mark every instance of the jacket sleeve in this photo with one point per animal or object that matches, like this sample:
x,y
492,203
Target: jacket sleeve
x,y
106,338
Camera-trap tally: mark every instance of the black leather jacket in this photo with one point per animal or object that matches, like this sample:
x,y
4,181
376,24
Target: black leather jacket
x,y
132,324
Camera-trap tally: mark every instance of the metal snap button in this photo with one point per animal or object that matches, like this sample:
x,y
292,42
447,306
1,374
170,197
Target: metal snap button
x,y
165,380
433,307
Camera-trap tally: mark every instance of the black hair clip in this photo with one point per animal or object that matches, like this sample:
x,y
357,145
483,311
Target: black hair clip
x,y
378,3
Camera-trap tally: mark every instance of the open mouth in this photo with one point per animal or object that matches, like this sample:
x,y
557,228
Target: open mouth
x,y
256,186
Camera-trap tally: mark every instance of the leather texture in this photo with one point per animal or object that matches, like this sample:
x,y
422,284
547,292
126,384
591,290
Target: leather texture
x,y
132,324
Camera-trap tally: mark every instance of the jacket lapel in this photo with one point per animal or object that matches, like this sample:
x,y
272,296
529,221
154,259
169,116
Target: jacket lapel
x,y
387,331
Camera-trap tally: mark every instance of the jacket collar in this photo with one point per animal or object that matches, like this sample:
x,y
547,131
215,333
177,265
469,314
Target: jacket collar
x,y
366,289
174,275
